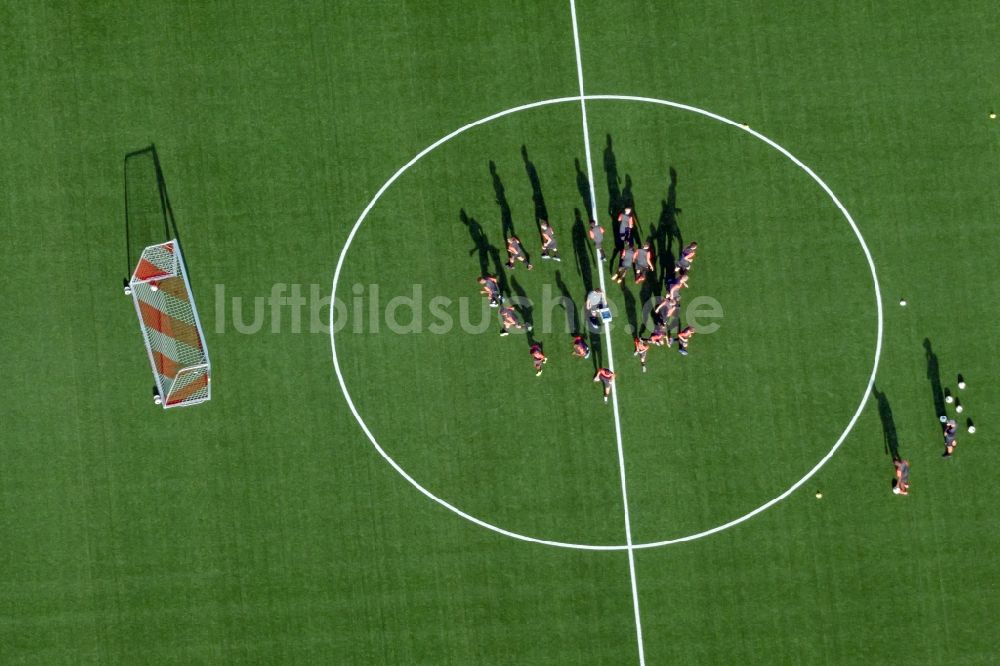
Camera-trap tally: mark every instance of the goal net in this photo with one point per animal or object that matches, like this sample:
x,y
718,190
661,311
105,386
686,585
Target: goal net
x,y
170,326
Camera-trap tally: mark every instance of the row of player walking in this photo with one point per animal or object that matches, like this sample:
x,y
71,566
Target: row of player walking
x,y
632,258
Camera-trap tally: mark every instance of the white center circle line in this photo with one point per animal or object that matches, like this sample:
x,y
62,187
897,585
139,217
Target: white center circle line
x,y
584,546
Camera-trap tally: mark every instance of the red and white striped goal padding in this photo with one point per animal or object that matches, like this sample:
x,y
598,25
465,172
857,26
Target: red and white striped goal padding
x,y
170,326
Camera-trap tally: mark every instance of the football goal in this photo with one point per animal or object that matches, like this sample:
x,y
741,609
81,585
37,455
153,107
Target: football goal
x,y
160,288
170,326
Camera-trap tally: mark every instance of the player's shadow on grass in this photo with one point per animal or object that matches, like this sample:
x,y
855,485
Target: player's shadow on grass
x,y
162,184
486,251
934,377
649,292
480,244
583,185
630,310
667,230
572,323
583,251
596,343
629,200
541,212
523,304
615,199
506,219
889,436
618,199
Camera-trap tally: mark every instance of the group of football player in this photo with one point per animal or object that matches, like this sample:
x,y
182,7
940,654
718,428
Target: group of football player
x,y
510,318
637,259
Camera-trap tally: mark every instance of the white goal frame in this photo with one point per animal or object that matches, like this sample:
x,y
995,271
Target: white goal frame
x,y
170,326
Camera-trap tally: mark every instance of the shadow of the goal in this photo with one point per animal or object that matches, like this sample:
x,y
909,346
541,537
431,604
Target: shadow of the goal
x,y
149,218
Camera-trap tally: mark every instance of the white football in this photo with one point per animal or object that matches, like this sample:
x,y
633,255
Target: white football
x,y
972,429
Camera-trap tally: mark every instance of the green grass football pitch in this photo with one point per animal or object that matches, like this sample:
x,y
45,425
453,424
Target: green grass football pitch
x,y
265,527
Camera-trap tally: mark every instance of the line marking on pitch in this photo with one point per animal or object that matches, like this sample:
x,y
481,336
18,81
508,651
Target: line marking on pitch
x,y
608,343
587,546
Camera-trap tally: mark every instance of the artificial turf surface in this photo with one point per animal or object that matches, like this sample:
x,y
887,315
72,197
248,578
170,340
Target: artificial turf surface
x,y
263,526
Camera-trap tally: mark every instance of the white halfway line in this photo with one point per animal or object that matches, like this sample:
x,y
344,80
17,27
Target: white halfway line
x,y
607,335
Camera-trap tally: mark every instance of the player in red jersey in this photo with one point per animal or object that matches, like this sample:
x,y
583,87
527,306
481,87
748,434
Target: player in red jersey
x,y
492,290
664,310
605,376
626,225
666,314
901,484
515,252
641,349
550,249
580,347
597,235
683,338
510,319
687,258
675,285
644,263
538,358
626,263
658,336
950,430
